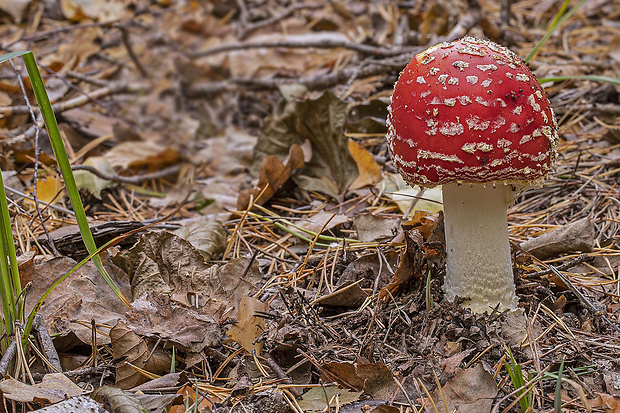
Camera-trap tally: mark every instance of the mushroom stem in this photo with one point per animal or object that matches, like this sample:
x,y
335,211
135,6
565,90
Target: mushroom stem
x,y
477,247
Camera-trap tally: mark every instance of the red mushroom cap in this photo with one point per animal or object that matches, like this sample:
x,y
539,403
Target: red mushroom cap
x,y
470,111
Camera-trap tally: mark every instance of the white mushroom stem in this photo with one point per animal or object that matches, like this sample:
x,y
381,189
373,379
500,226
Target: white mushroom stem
x,y
478,251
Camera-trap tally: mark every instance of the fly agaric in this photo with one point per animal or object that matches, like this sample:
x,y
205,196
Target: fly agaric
x,y
470,116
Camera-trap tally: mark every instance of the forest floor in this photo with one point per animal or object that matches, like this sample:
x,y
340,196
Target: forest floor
x,y
321,291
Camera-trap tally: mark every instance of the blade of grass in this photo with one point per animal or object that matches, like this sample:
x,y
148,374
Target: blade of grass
x,y
557,403
65,167
557,22
11,285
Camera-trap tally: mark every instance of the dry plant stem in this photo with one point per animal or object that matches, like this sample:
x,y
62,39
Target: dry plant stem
x,y
112,88
320,44
130,51
134,180
7,357
246,31
478,262
46,342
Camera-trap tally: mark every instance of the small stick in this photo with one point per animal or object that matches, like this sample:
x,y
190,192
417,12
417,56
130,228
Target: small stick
x,y
46,342
134,180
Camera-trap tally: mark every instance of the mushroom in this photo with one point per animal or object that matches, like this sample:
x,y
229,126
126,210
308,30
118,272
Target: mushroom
x,y
470,116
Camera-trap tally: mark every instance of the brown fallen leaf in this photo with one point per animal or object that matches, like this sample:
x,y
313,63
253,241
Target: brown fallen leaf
x,y
248,327
372,378
321,121
369,170
156,315
207,235
84,295
610,403
165,263
117,400
53,388
317,398
576,236
189,393
274,173
127,155
130,349
410,264
469,391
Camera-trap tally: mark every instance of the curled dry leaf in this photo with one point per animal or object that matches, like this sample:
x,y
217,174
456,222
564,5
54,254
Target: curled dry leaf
x,y
576,236
205,405
142,154
117,401
274,173
129,348
410,264
206,235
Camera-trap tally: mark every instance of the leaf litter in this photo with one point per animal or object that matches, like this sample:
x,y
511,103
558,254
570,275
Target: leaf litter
x,y
302,274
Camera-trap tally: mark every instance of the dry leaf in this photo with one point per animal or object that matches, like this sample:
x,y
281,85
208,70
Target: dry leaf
x,y
248,326
100,10
47,190
274,173
91,182
371,228
164,262
349,296
139,154
576,236
469,391
52,389
15,8
317,398
368,169
423,199
206,235
84,295
409,266
156,315
320,121
205,405
321,220
117,400
610,403
374,379
129,348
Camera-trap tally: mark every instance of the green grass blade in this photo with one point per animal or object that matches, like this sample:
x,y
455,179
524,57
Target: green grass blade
x,y
9,56
11,284
65,168
557,22
557,403
594,78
